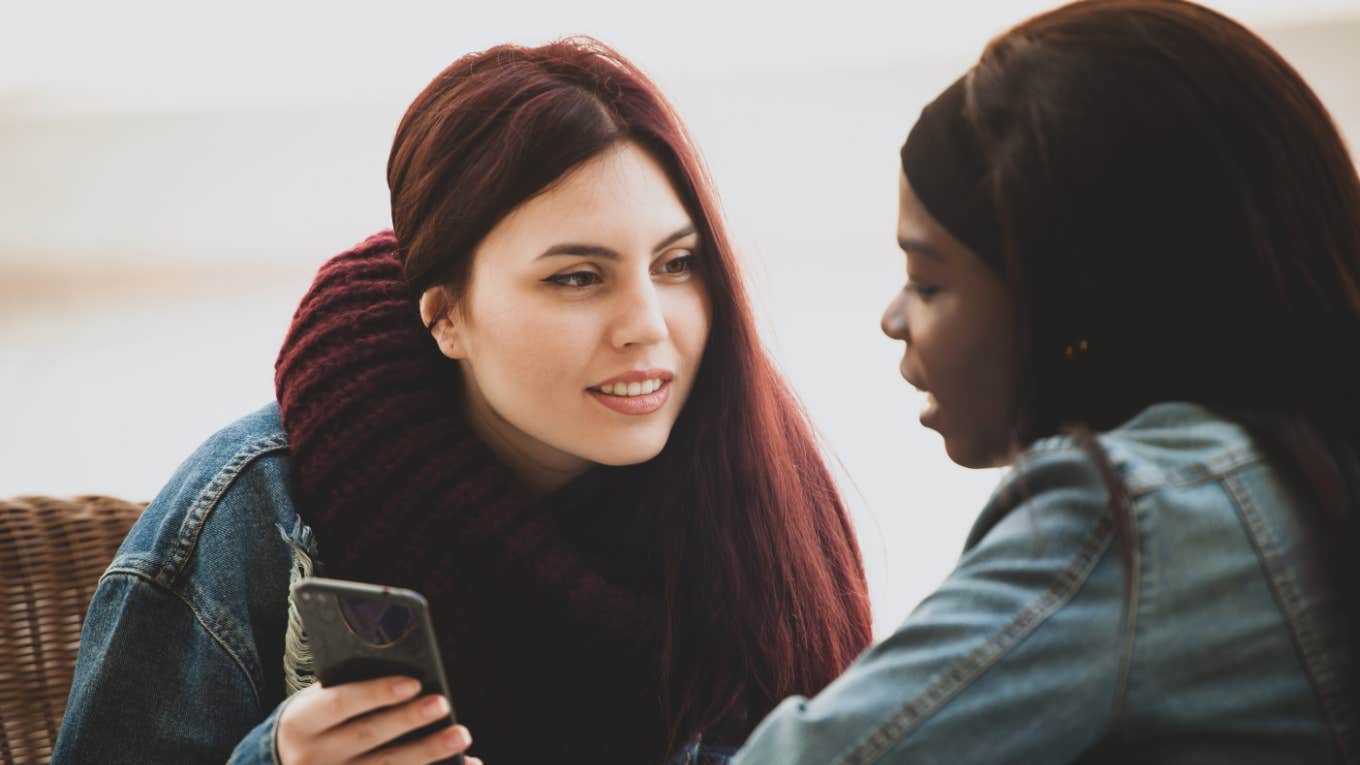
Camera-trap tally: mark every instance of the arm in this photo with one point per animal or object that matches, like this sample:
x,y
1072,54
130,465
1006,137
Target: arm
x,y
155,684
261,744
1017,657
181,647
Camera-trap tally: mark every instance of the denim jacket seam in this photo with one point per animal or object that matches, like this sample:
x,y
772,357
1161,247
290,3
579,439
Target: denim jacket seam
x,y
207,501
1129,629
200,617
1146,480
138,565
1215,468
1329,689
880,740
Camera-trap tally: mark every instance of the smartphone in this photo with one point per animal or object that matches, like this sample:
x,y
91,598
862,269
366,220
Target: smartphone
x,y
361,631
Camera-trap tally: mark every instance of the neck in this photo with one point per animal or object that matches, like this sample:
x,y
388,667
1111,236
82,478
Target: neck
x,y
542,468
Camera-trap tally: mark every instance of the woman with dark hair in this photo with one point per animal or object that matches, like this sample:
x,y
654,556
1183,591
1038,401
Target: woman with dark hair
x,y
1132,239
542,403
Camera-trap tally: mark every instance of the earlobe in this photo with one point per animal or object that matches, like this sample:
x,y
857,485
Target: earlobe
x,y
438,316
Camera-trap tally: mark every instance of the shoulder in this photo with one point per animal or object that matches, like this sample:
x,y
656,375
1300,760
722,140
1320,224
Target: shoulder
x,y
1178,444
232,453
214,550
234,490
1167,452
1169,443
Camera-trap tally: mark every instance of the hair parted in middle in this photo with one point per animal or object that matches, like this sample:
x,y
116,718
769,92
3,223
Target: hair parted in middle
x,y
764,584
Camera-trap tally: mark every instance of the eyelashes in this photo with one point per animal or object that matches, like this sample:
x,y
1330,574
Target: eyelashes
x,y
575,279
686,263
921,289
677,268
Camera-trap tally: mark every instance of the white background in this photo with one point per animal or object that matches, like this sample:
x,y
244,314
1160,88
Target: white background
x,y
171,174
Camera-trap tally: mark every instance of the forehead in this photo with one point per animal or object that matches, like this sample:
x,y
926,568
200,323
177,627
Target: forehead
x,y
917,230
913,220
621,189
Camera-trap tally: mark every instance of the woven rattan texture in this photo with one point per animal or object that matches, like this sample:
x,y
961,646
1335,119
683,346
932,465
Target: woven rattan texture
x,y
52,552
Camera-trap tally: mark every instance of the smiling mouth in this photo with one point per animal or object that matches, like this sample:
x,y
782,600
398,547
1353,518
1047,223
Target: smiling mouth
x,y
630,389
929,415
633,398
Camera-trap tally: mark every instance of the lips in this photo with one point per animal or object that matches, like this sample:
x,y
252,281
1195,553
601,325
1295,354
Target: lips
x,y
912,380
636,392
641,404
637,376
930,413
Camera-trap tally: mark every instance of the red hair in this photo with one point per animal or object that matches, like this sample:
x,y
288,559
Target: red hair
x,y
765,588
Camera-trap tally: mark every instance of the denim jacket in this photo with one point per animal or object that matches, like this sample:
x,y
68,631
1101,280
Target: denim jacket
x,y
1229,651
182,654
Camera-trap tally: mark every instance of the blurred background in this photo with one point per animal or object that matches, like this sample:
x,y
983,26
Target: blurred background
x,y
172,174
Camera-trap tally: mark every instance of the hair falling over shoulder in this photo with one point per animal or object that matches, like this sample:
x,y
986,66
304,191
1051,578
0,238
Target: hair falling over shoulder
x,y
1196,229
766,595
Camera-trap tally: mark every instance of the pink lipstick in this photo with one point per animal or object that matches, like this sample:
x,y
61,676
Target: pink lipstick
x,y
636,392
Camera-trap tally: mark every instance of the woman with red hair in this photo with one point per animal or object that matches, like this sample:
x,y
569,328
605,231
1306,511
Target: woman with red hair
x,y
541,402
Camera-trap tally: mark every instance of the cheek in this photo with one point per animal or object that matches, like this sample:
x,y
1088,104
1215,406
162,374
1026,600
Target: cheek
x,y
957,351
927,331
689,318
522,345
983,373
1002,371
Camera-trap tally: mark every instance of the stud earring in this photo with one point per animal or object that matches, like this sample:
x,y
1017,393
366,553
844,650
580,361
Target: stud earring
x,y
1070,352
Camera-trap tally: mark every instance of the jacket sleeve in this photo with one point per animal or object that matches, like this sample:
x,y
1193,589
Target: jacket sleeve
x,y
261,744
1019,656
155,684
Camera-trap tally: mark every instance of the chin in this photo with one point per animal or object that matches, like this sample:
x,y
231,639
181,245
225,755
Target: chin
x,y
973,456
960,457
634,453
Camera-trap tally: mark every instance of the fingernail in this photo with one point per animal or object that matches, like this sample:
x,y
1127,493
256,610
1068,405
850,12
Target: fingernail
x,y
457,737
405,687
436,707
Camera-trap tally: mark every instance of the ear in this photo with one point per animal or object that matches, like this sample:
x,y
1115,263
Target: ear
x,y
439,314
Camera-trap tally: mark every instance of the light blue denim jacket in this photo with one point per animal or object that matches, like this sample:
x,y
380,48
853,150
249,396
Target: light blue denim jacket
x,y
1230,653
182,651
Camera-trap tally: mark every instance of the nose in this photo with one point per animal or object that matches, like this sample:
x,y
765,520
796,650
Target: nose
x,y
640,317
894,322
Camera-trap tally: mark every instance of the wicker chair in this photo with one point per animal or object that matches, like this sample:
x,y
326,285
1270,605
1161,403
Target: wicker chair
x,y
52,552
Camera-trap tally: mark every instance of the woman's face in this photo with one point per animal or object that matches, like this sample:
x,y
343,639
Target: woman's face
x,y
584,321
955,317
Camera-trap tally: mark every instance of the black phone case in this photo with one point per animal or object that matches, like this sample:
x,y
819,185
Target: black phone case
x,y
344,657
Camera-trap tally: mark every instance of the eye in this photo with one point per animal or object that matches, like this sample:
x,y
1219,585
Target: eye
x,y
680,265
576,279
921,289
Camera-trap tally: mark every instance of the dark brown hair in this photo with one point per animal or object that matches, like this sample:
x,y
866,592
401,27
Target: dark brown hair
x,y
765,588
1171,193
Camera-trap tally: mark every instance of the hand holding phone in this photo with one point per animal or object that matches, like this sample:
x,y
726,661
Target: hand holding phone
x,y
355,723
382,684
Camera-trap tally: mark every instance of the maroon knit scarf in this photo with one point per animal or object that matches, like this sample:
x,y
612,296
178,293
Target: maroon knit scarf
x,y
545,608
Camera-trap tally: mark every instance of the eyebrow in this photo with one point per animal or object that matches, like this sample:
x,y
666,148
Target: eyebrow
x,y
920,246
598,251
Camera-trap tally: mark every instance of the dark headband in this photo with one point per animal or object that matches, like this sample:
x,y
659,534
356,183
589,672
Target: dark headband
x,y
946,168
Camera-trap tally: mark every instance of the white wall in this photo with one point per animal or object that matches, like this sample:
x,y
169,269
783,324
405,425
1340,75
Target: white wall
x,y
160,217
